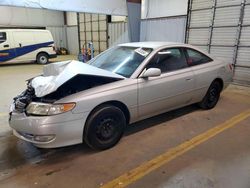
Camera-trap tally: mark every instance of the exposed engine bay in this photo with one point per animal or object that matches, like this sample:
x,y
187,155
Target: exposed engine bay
x,y
60,80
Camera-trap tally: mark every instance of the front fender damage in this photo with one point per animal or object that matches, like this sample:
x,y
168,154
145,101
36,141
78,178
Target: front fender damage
x,y
63,79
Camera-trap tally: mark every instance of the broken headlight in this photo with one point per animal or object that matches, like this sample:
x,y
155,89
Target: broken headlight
x,y
44,109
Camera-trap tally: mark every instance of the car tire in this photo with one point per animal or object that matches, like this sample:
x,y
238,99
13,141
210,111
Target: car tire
x,y
212,96
42,58
104,128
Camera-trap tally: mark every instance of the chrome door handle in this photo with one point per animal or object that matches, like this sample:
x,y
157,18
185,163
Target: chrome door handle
x,y
188,79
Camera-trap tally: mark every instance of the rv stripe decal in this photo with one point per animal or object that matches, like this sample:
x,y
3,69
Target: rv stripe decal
x,y
6,55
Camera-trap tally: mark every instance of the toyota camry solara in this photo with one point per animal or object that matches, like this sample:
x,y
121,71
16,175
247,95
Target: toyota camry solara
x,y
74,102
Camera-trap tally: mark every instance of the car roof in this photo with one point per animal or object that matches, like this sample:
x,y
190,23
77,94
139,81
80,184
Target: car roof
x,y
156,45
152,44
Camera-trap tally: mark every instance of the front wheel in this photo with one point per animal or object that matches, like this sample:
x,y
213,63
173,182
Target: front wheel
x,y
42,58
104,127
212,96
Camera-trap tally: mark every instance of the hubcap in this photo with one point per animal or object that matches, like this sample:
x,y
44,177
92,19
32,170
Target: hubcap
x,y
43,59
106,129
213,95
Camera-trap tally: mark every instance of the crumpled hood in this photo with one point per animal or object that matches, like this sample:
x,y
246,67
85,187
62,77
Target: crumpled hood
x,y
56,74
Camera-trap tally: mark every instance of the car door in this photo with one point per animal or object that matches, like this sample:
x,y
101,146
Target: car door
x,y
172,89
7,52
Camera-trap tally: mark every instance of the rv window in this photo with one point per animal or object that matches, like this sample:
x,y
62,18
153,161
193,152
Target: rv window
x,y
2,37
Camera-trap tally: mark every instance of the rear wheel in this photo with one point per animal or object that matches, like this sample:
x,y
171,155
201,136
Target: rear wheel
x,y
105,127
42,58
212,96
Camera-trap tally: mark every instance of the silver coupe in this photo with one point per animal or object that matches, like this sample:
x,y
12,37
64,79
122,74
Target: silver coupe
x,y
74,102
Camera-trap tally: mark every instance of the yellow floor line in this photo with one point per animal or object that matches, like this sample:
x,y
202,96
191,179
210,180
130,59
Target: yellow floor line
x,y
147,167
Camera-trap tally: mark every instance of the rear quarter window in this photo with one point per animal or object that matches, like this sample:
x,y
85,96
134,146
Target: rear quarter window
x,y
196,58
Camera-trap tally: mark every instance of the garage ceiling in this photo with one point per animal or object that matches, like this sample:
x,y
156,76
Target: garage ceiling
x,y
110,7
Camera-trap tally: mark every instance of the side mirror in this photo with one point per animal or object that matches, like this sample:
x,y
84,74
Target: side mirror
x,y
151,72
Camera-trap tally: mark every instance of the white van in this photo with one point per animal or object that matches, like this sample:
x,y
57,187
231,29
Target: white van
x,y
26,45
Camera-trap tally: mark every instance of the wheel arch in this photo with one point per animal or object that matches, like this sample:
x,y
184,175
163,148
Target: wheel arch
x,y
42,52
220,81
115,103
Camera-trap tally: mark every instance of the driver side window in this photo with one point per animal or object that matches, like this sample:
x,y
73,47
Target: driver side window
x,y
168,60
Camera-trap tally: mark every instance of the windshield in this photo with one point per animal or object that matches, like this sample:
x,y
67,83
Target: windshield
x,y
121,60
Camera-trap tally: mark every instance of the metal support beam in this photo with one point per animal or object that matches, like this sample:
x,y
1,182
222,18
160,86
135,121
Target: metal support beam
x,y
99,40
237,41
211,26
188,20
78,31
85,33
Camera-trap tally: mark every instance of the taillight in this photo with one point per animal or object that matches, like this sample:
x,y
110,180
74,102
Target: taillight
x,y
230,66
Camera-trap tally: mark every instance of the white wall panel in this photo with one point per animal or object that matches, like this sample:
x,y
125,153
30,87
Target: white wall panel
x,y
246,20
163,8
102,17
242,75
198,36
88,26
245,36
227,16
59,36
14,16
103,25
224,53
71,18
228,2
203,47
94,17
118,18
118,33
103,46
88,36
110,7
87,17
201,4
134,21
103,36
243,57
72,39
163,29
224,36
201,18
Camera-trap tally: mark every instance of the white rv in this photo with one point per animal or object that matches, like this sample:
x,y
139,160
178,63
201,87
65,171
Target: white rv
x,y
26,45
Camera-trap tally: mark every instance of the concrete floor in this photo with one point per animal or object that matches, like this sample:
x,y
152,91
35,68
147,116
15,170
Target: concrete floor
x,y
222,161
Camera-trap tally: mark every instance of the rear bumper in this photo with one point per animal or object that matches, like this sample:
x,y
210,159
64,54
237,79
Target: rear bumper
x,y
52,56
66,128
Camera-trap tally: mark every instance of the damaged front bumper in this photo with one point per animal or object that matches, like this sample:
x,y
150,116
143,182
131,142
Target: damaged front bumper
x,y
49,131
32,115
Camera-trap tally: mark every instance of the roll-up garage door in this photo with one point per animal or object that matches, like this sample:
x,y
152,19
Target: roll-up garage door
x,y
222,28
118,33
93,28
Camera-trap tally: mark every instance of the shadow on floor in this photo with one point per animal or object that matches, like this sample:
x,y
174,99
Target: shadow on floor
x,y
15,152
